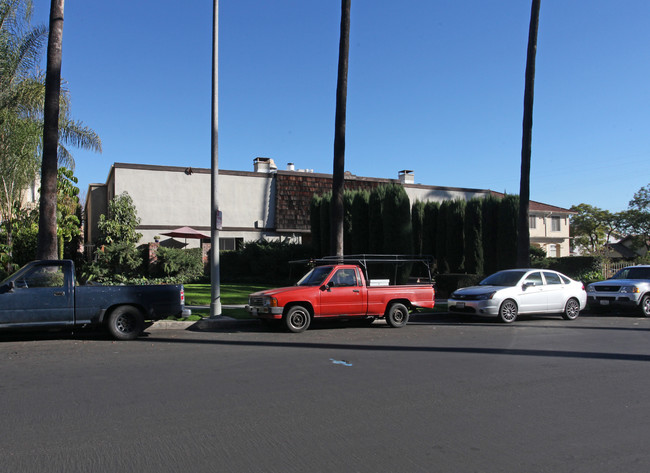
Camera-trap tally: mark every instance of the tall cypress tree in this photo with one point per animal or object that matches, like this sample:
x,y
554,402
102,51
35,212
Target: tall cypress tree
x,y
441,237
417,223
396,217
376,226
430,223
507,232
360,222
455,240
490,218
473,237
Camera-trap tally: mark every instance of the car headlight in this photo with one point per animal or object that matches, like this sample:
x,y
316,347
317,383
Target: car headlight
x,y
486,296
630,289
590,288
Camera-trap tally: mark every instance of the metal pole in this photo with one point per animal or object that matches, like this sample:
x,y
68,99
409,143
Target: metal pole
x,y
215,301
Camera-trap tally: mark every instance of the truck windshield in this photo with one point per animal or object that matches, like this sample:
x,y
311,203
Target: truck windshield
x,y
315,277
633,273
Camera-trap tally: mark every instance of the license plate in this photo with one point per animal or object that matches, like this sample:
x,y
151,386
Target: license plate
x,y
604,302
460,305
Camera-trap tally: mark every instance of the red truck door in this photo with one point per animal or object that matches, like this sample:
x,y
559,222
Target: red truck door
x,y
344,294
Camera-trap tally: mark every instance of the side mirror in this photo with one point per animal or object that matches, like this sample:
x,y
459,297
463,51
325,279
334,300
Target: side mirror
x,y
526,285
9,287
325,287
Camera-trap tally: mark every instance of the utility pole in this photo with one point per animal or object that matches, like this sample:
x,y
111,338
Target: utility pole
x,y
215,299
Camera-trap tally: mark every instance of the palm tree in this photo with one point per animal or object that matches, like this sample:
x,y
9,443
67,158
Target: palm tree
x,y
523,234
47,239
19,91
338,175
22,94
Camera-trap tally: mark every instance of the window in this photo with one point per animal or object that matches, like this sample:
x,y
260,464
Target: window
x,y
43,276
344,277
230,244
555,224
535,278
552,278
532,221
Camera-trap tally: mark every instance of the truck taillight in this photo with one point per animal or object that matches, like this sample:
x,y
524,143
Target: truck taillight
x,y
182,296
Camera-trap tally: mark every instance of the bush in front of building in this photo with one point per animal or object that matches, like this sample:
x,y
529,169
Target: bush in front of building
x,y
180,265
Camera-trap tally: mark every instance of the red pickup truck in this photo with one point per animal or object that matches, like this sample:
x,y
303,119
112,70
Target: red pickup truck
x,y
340,287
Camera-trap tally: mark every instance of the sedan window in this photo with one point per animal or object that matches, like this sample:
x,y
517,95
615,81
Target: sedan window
x,y
534,278
503,278
552,278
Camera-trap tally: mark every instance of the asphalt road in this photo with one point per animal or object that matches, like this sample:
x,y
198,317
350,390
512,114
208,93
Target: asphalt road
x,y
443,394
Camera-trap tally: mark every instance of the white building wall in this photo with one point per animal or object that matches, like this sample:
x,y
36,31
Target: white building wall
x,y
174,198
424,194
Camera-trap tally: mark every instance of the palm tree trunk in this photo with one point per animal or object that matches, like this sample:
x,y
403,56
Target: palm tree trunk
x,y
338,175
47,240
523,234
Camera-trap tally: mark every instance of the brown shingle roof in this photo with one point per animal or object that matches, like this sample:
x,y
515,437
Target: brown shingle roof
x,y
539,206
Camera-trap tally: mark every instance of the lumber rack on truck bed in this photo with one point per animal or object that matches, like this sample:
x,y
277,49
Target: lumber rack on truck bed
x,y
396,262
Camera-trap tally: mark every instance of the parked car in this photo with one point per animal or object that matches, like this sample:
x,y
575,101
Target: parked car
x,y
628,288
521,291
341,287
44,294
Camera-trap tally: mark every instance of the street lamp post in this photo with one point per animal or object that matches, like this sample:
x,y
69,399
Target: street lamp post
x,y
215,299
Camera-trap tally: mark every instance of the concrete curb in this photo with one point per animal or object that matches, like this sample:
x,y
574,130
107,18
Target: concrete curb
x,y
204,324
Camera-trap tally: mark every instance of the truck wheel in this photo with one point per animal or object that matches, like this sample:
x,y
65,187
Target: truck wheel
x,y
297,319
397,315
125,322
508,311
571,309
645,305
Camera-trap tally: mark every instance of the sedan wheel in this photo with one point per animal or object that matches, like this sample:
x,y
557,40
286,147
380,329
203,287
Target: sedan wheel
x,y
508,311
571,310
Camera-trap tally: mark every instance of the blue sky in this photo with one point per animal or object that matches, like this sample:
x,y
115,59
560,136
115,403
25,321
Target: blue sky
x,y
435,86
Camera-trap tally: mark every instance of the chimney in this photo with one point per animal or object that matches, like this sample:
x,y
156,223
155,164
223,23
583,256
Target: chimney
x,y
264,165
406,176
291,167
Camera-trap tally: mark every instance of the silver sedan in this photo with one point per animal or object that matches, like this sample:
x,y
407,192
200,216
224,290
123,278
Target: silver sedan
x,y
521,291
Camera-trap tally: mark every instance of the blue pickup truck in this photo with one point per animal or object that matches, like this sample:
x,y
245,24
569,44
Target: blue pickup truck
x,y
44,294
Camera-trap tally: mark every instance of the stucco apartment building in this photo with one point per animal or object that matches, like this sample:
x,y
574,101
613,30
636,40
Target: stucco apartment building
x,y
266,203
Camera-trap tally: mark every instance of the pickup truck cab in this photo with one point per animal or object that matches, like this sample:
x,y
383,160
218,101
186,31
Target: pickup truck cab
x,y
44,294
338,288
628,288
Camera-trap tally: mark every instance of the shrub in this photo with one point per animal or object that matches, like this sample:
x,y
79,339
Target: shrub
x,y
182,265
448,283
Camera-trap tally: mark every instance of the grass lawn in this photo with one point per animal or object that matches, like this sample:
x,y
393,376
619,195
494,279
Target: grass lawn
x,y
231,294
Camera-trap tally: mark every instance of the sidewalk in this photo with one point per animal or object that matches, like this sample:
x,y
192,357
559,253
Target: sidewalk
x,y
222,322
217,323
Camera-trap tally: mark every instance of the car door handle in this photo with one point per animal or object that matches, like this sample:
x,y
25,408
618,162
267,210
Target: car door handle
x,y
59,293
355,290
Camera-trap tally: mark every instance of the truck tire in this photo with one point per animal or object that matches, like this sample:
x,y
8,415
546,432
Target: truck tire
x,y
297,319
125,322
397,315
645,305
